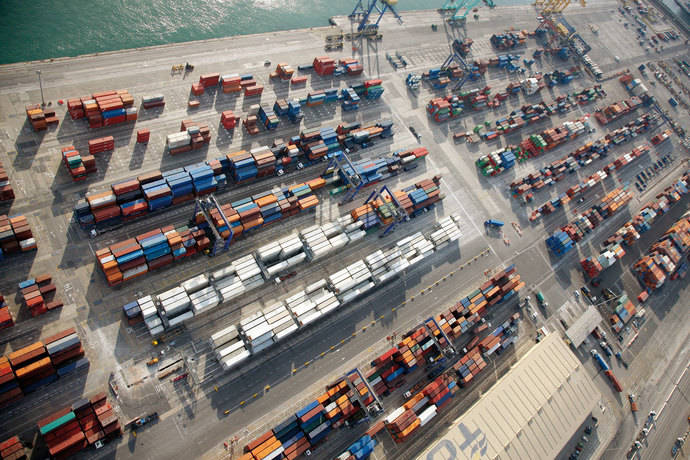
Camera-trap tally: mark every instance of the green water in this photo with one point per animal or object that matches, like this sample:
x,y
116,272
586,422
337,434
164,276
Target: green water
x,y
41,29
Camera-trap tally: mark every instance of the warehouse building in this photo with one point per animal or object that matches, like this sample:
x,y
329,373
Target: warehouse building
x,y
530,413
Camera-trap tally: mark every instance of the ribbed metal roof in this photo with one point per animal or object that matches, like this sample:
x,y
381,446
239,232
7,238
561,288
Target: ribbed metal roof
x,y
529,414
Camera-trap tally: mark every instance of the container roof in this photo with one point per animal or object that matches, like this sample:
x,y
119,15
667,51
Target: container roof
x,y
530,413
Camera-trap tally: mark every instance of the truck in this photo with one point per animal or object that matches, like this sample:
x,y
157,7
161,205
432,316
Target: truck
x,y
614,381
602,363
493,223
141,420
542,302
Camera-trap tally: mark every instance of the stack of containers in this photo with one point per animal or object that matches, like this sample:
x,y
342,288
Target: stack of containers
x,y
263,328
103,206
231,83
149,313
209,80
228,119
352,281
250,124
283,71
252,90
242,165
12,449
15,235
310,304
34,293
352,66
66,352
373,90
102,144
38,118
268,118
158,194
447,231
622,313
78,166
401,423
201,294
9,386
72,429
32,367
324,65
132,311
228,347
175,307
298,80
469,366
242,275
350,99
322,240
313,422
192,136
6,319
6,192
281,255
134,257
106,108
156,100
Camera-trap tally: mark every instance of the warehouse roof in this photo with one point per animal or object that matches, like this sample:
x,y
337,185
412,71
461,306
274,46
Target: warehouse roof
x,y
530,413
583,326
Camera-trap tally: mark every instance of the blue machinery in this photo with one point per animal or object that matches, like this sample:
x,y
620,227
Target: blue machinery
x,y
399,213
353,180
205,205
456,57
372,5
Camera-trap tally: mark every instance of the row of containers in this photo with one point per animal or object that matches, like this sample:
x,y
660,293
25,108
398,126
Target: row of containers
x,y
667,258
565,239
134,257
628,234
38,295
532,113
501,160
584,155
74,428
30,368
207,291
452,106
588,184
15,236
617,110
6,319
106,108
144,194
6,191
230,83
357,397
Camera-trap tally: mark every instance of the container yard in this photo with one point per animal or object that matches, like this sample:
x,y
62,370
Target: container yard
x,y
271,238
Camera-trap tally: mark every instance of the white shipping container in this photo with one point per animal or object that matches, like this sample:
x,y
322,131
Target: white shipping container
x,y
232,348
286,332
195,284
180,319
229,363
394,415
223,336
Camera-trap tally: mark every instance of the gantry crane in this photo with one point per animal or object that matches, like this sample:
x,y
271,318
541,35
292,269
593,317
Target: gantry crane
x,y
361,13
